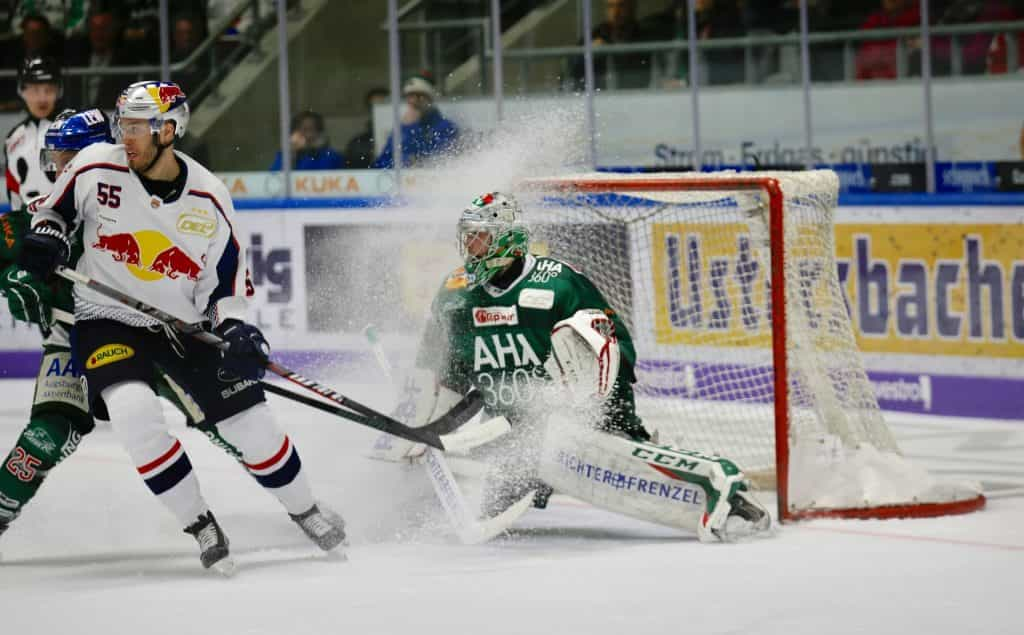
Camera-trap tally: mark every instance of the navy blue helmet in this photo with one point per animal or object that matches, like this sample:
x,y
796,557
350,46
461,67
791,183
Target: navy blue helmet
x,y
71,131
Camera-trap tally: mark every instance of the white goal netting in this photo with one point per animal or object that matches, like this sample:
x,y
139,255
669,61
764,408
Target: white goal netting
x,y
687,260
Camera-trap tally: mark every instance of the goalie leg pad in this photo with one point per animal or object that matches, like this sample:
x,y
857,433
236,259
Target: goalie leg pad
x,y
659,484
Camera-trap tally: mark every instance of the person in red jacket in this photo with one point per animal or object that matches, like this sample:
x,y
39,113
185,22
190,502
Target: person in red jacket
x,y
876,59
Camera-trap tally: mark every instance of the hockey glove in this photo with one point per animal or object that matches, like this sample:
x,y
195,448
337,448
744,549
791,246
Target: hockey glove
x,y
43,249
28,299
247,351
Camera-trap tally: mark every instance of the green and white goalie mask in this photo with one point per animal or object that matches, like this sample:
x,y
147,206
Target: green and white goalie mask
x,y
491,235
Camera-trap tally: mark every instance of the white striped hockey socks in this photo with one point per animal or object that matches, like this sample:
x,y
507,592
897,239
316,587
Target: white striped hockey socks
x,y
160,459
269,455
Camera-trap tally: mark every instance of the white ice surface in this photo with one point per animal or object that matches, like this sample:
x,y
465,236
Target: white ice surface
x,y
94,553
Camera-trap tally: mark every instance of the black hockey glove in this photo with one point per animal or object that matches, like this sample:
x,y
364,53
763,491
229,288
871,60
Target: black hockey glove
x,y
247,351
43,249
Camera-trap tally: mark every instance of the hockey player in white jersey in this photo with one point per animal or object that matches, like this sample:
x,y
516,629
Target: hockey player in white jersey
x,y
40,87
162,228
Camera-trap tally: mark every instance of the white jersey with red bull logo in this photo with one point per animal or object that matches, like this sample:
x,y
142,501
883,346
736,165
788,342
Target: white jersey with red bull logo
x,y
184,256
23,175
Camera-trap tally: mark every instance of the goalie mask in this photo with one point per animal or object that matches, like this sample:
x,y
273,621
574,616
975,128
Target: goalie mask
x,y
491,236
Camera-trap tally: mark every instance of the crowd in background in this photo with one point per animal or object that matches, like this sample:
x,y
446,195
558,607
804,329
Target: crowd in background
x,y
875,59
118,33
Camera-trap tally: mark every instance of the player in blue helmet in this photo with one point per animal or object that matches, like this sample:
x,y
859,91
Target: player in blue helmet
x,y
70,132
60,414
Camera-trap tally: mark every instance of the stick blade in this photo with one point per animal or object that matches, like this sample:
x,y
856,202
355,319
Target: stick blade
x,y
486,529
473,436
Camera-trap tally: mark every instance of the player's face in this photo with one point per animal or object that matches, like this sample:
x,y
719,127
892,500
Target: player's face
x,y
477,244
62,158
138,142
40,99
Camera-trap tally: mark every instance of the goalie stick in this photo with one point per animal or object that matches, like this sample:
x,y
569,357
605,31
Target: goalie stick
x,y
437,434
468,528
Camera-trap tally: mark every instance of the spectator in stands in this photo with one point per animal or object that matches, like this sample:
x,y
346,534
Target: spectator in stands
x,y
998,60
311,149
715,19
67,17
187,34
142,27
37,40
974,48
361,148
101,49
877,59
629,70
425,133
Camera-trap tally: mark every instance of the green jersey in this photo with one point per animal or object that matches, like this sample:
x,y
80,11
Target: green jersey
x,y
497,339
13,226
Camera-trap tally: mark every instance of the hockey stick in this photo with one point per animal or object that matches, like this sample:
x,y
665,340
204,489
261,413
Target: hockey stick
x,y
468,528
434,434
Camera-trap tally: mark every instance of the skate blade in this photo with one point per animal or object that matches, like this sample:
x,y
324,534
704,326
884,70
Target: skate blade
x,y
338,554
224,567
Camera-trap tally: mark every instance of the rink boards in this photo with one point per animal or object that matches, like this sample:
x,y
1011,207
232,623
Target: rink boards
x,y
936,296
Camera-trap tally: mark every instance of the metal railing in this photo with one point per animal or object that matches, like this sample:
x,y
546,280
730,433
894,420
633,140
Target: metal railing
x,y
478,35
750,44
248,42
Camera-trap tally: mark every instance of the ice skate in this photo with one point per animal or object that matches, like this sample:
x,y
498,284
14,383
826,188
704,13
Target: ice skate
x,y
325,528
747,517
213,544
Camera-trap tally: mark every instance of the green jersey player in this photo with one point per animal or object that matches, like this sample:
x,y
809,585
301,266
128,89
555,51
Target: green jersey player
x,y
545,348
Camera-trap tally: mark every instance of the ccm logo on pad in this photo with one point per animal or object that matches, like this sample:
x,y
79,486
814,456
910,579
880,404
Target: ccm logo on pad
x,y
109,354
495,315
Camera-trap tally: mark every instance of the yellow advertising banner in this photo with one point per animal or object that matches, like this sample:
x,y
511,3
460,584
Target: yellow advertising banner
x,y
927,288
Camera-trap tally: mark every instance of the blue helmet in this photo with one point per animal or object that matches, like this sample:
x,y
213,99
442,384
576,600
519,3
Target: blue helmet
x,y
70,132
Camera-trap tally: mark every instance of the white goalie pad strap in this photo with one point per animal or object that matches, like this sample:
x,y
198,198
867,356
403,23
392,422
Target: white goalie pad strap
x,y
659,484
585,354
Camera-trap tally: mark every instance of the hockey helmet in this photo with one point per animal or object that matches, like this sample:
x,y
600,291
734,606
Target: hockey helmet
x,y
70,132
155,102
39,70
491,235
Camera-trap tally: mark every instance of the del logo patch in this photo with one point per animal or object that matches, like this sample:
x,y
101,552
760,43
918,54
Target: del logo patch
x,y
495,316
109,354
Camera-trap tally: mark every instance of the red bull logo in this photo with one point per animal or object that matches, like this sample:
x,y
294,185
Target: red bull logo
x,y
149,255
123,247
174,262
167,96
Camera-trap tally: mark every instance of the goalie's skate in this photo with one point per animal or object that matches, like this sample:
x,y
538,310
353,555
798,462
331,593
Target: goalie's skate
x,y
325,528
213,544
747,517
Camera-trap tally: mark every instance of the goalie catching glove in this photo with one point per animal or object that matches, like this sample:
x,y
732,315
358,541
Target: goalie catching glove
x,y
585,355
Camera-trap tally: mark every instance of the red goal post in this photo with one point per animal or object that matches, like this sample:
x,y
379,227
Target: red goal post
x,y
798,211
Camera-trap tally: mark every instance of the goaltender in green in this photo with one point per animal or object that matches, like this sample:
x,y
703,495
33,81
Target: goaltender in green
x,y
536,337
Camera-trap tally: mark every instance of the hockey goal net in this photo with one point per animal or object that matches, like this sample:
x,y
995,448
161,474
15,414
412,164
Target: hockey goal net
x,y
728,284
